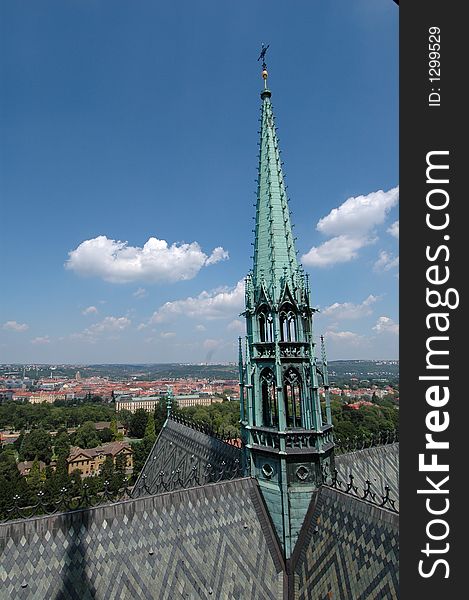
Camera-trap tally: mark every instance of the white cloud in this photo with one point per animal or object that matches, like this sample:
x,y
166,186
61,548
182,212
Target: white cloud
x,y
91,310
200,327
44,339
349,337
217,255
167,334
394,229
358,215
336,250
15,326
109,325
221,303
237,325
140,293
386,261
348,310
351,226
386,325
117,262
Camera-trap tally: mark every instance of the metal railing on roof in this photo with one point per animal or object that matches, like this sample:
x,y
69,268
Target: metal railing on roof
x,y
332,480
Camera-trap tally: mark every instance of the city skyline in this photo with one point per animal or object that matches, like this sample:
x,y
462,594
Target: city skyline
x,y
132,194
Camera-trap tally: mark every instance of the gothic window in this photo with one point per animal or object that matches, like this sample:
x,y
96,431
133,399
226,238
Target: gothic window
x,y
288,331
262,326
292,390
266,326
269,399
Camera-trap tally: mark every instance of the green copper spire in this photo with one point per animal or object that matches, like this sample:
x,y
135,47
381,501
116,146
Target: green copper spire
x,y
275,259
287,441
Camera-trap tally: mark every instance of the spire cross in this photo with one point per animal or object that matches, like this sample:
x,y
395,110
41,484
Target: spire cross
x,y
264,65
262,55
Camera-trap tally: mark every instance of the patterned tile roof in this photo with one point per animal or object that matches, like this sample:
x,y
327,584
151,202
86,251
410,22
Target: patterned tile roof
x,y
186,457
347,549
379,465
212,541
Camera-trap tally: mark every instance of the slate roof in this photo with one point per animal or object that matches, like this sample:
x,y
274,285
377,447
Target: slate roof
x,y
186,457
211,542
379,465
347,549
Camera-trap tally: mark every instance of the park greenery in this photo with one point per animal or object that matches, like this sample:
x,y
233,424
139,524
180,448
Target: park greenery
x,y
48,432
18,416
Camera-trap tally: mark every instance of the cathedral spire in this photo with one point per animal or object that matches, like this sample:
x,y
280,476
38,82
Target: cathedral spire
x,y
287,442
275,261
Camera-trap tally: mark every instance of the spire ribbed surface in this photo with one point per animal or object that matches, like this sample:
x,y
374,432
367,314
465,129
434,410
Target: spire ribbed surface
x,y
275,259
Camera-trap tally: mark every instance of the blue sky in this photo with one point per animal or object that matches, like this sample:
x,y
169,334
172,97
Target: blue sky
x,y
126,121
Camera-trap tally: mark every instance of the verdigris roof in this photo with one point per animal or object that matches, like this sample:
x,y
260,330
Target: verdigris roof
x,y
211,542
274,246
379,465
347,549
182,457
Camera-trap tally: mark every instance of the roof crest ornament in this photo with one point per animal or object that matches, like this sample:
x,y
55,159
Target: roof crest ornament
x,y
265,73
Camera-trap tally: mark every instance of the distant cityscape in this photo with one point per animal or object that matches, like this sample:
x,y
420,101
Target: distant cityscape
x,y
142,386
109,408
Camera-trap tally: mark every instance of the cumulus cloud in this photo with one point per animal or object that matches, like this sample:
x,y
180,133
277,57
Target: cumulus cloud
x,y
109,325
117,262
44,339
386,261
394,229
15,326
221,303
91,310
200,327
140,293
348,310
340,249
386,325
349,337
217,255
351,226
358,215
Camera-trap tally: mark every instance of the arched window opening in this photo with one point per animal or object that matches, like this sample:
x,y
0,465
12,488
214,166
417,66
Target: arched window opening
x,y
292,392
262,327
269,399
288,331
266,326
